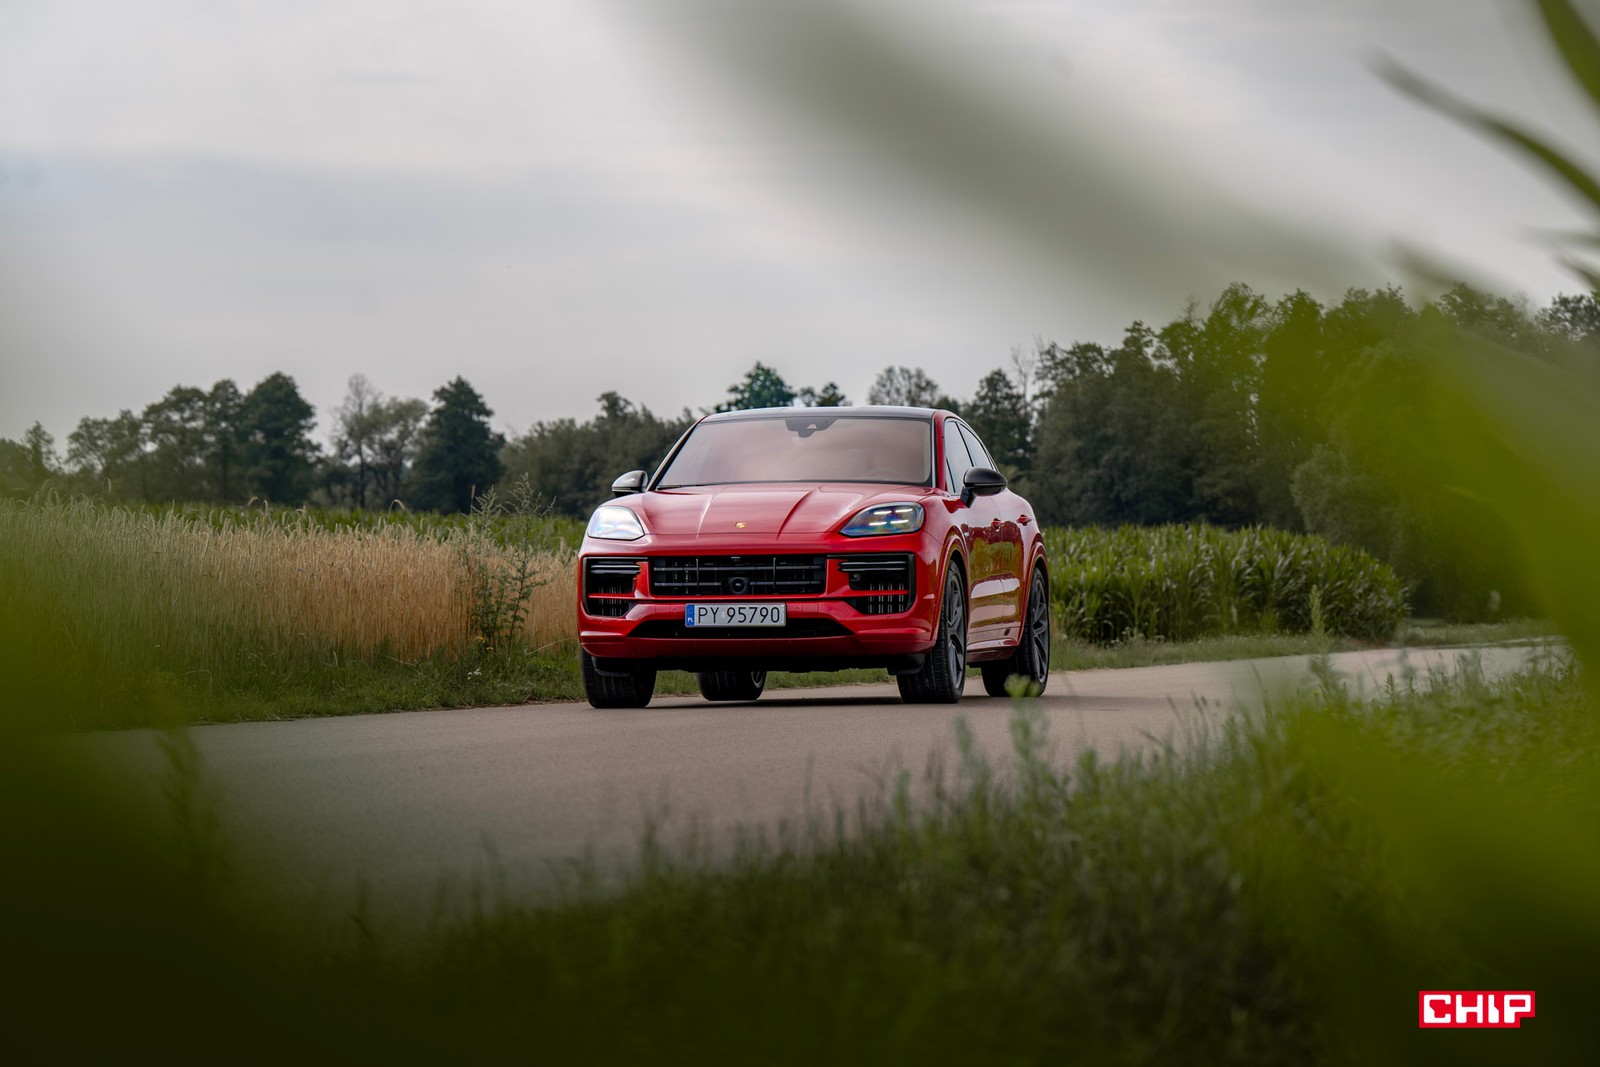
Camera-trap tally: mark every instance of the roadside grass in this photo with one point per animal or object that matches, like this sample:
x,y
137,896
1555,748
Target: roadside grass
x,y
1144,652
86,699
1437,633
1252,895
1273,889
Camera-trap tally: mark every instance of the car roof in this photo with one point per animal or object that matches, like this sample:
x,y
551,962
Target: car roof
x,y
878,411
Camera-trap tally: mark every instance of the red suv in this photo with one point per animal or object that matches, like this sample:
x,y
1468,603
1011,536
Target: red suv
x,y
814,539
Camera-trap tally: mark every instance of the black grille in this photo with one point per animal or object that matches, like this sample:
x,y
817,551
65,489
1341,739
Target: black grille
x,y
892,578
608,585
892,604
737,575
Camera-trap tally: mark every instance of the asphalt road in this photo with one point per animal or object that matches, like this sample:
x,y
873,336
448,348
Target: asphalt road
x,y
409,811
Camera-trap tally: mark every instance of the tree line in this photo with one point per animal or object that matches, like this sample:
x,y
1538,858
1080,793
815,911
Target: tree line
x,y
223,445
1243,412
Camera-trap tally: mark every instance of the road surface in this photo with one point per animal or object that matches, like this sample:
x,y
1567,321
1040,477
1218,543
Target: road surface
x,y
408,811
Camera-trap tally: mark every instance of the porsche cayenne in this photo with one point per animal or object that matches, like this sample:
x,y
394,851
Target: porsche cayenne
x,y
814,539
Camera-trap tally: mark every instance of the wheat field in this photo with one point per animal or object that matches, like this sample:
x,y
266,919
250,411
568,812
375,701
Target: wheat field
x,y
130,588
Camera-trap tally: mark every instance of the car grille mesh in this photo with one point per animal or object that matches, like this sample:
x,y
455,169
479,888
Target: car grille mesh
x,y
605,581
754,576
891,578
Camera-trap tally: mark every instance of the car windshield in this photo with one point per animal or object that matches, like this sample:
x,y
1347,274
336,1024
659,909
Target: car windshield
x,y
804,448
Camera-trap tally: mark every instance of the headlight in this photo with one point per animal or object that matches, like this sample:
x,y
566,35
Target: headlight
x,y
611,522
885,519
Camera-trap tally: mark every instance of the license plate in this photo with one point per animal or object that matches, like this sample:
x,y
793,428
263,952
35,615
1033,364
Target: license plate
x,y
725,615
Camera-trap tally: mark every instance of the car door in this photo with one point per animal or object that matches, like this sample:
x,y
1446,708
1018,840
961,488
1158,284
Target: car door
x,y
976,519
997,606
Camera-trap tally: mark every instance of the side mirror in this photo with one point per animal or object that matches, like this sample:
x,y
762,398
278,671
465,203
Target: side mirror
x,y
981,481
632,482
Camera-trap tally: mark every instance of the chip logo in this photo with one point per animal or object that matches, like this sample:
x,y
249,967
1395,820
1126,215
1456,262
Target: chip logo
x,y
1474,1009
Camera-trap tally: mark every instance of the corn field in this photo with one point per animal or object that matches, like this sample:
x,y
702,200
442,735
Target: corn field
x,y
1179,583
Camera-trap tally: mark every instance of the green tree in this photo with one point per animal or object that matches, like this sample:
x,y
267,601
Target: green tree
x,y
460,454
109,454
27,465
396,436
999,413
762,387
829,396
353,432
277,451
375,442
1218,361
1113,443
224,442
572,465
1503,321
1294,379
1575,319
175,431
904,387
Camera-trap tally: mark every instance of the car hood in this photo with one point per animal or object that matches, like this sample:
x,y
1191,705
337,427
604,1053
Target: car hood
x,y
769,508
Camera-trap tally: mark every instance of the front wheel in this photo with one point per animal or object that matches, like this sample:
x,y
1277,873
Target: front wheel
x,y
616,689
944,672
1031,660
732,685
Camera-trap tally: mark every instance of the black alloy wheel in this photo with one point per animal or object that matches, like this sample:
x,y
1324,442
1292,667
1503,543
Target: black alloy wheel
x,y
1032,657
943,675
732,685
612,689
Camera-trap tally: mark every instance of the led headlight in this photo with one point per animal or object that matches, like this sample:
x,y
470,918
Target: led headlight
x,y
612,522
884,519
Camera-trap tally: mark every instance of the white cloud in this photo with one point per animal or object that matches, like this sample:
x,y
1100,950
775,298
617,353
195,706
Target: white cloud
x,y
554,200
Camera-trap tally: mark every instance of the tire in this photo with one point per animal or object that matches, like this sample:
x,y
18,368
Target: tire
x,y
944,672
732,685
1031,660
631,690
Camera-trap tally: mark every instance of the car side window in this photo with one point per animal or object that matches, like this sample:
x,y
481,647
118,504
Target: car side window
x,y
980,455
956,458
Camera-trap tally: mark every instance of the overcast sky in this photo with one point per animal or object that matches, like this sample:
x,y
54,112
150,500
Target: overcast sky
x,y
570,196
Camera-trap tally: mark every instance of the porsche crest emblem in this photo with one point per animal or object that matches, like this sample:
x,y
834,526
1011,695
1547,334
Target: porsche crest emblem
x,y
740,525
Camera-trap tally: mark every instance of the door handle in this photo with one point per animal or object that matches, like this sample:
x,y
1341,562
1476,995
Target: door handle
x,y
995,523
1024,519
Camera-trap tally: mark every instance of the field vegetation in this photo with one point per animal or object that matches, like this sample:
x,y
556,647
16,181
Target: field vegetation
x,y
1179,583
253,612
1275,889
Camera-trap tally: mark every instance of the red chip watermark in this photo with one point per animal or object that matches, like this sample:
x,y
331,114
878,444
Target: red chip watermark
x,y
1474,1009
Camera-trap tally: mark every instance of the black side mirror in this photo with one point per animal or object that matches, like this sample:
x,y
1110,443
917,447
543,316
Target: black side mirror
x,y
981,481
632,482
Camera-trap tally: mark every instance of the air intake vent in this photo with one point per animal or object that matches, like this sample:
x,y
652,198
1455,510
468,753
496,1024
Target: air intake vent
x,y
797,628
608,585
892,578
753,576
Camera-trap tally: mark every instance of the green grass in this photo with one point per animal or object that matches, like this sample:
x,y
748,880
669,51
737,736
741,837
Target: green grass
x,y
1274,891
1415,633
1437,633
358,686
1147,910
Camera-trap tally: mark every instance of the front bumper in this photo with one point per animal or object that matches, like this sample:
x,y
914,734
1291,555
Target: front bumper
x,y
835,626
